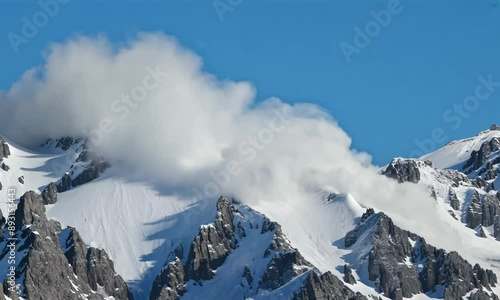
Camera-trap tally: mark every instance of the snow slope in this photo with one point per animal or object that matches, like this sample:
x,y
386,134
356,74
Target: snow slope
x,y
455,153
137,225
38,168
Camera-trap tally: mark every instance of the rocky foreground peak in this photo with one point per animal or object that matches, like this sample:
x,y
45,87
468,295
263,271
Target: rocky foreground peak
x,y
54,263
402,264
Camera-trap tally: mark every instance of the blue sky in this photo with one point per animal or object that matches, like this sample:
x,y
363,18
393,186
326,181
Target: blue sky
x,y
394,91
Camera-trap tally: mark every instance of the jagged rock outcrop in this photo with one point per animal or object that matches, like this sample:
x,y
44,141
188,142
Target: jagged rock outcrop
x,y
101,273
49,194
392,262
64,143
474,214
403,170
45,271
480,157
282,268
4,149
169,284
216,241
453,199
325,286
482,295
348,277
91,172
490,208
29,208
212,245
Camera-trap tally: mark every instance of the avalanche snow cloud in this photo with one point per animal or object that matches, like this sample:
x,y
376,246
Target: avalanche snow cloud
x,y
149,105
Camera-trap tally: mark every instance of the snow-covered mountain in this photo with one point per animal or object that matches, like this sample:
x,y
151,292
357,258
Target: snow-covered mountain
x,y
87,229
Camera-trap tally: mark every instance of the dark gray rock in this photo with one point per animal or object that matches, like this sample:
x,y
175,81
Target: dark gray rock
x,y
75,252
496,228
212,244
474,214
480,157
169,284
21,180
4,149
453,199
248,275
348,277
30,206
55,269
283,267
403,170
5,167
325,287
387,262
490,208
482,295
65,143
49,194
91,172
101,272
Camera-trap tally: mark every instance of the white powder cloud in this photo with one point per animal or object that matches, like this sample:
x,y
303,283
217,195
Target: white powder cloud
x,y
169,121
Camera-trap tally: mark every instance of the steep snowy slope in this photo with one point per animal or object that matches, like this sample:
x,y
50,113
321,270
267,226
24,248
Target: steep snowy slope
x,y
136,224
36,168
143,226
455,153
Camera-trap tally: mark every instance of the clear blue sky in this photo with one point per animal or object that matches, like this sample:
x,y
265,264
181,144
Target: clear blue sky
x,y
395,90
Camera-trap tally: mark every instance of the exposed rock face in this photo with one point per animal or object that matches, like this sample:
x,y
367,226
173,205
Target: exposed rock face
x,y
30,207
480,157
66,142
481,295
325,286
348,277
4,149
216,241
169,284
496,228
403,170
54,269
474,212
101,272
91,172
282,268
453,199
49,194
490,208
392,263
5,167
212,245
